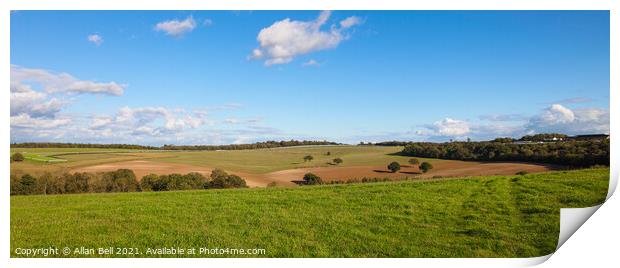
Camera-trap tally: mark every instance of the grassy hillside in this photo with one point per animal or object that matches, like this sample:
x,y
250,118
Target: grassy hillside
x,y
498,216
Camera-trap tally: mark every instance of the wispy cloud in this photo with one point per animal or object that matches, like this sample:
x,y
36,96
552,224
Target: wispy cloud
x,y
176,27
311,63
63,82
96,39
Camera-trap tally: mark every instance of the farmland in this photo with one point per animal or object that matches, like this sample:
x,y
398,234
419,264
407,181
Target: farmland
x,y
488,216
261,166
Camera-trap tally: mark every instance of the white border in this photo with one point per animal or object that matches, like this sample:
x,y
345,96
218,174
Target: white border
x,y
576,250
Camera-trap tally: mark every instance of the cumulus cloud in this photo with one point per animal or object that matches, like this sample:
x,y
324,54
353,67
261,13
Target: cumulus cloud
x,y
555,118
25,100
25,121
558,118
281,42
63,82
39,112
175,27
450,127
96,39
152,121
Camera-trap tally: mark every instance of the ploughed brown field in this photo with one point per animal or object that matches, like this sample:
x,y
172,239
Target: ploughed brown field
x,y
289,177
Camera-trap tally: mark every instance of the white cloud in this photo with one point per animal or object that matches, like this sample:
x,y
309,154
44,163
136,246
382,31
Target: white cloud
x,y
25,100
207,22
63,82
558,118
350,22
25,121
148,120
556,114
311,63
175,27
96,39
281,42
451,127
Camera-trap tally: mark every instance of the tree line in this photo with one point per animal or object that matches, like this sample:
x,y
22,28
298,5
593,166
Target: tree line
x,y
542,137
122,180
572,153
257,145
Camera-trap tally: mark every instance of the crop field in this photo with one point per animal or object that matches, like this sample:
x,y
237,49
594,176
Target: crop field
x,y
260,167
487,216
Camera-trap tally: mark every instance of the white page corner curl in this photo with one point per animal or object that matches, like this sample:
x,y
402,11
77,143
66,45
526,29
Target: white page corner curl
x,y
571,219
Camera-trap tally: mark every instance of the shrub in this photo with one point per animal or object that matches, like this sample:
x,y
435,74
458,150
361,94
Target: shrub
x,y
17,157
222,180
54,185
312,179
394,166
122,180
216,173
337,161
272,184
76,183
414,161
27,185
148,183
308,158
195,180
522,172
425,167
15,185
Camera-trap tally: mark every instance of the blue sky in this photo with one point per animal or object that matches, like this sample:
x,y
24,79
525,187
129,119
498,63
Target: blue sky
x,y
218,77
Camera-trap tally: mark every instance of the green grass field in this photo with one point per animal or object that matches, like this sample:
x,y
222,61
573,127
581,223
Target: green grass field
x,y
42,158
497,216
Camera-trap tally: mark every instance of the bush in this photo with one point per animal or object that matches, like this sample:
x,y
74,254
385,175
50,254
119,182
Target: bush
x,y
394,166
308,158
414,161
26,185
77,183
522,172
337,161
17,157
122,180
172,182
312,179
222,180
425,167
149,182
